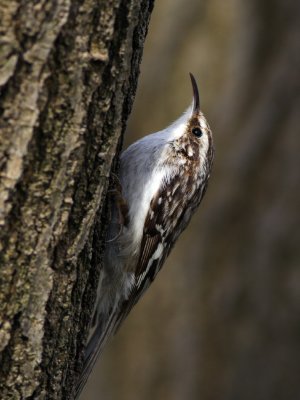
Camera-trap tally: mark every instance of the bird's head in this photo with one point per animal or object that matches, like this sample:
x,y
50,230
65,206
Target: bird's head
x,y
190,135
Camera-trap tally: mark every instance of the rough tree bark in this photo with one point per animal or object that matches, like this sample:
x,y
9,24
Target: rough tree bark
x,y
68,74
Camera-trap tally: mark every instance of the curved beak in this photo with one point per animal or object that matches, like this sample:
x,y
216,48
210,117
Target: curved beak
x,y
196,107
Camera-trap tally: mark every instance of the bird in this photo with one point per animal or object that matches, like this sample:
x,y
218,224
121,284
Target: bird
x,y
161,181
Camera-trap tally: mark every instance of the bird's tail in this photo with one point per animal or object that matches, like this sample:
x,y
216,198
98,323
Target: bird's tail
x,y
94,347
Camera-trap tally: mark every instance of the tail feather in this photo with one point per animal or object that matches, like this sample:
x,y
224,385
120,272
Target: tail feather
x,y
104,330
94,347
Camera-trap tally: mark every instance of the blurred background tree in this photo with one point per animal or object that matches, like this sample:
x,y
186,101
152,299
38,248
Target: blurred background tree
x,y
222,321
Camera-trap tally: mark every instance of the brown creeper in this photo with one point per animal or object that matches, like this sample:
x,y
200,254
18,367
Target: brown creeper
x,y
163,178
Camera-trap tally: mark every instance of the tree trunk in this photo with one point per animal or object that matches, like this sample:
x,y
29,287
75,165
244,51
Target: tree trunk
x,y
68,74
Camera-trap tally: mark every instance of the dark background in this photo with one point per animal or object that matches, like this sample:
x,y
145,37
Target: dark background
x,y
222,321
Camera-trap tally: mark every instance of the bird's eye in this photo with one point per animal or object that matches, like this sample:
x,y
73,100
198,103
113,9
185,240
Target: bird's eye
x,y
197,132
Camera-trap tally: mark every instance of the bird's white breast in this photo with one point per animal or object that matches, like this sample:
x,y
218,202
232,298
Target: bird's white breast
x,y
142,174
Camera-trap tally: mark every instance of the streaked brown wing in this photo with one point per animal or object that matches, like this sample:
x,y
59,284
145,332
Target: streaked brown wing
x,y
164,213
169,213
151,240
